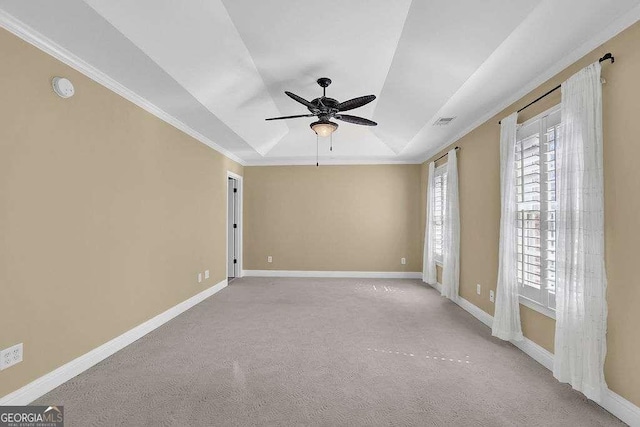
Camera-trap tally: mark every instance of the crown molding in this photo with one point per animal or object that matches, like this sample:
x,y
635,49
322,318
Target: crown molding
x,y
331,162
33,37
615,28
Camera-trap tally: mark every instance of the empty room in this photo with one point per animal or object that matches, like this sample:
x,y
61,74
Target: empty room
x,y
288,213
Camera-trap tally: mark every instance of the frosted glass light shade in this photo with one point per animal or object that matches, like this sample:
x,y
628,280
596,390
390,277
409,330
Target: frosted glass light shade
x,y
324,127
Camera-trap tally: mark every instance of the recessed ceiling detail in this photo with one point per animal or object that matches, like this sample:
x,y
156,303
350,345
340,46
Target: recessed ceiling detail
x,y
443,43
220,67
198,45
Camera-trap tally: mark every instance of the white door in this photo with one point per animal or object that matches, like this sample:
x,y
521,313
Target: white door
x,y
232,228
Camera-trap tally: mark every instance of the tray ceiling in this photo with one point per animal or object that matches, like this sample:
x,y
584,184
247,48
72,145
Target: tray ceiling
x,y
221,67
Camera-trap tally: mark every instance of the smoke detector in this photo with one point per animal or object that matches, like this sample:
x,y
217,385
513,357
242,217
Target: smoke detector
x,y
443,121
62,87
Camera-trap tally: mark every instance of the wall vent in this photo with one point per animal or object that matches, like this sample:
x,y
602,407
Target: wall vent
x,y
443,121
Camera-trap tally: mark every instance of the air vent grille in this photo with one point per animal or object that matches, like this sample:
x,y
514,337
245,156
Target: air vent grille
x,y
443,121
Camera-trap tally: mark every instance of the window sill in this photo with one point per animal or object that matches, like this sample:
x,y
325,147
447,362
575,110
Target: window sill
x,y
537,307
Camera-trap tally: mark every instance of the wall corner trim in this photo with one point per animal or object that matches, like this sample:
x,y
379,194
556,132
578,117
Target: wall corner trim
x,y
341,274
47,382
33,37
612,402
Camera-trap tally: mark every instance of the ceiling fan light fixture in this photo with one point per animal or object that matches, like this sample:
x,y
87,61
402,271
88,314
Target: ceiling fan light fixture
x,y
324,128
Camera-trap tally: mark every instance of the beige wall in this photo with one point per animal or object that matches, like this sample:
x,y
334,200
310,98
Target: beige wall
x,y
480,208
333,218
107,214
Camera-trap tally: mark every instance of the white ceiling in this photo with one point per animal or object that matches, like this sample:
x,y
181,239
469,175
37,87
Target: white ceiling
x,y
220,67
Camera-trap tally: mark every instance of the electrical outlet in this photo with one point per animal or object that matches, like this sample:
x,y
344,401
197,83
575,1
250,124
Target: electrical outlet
x,y
492,296
199,277
10,356
206,274
269,258
403,261
478,289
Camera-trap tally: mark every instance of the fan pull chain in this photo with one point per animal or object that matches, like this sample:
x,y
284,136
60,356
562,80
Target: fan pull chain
x,y
331,146
317,163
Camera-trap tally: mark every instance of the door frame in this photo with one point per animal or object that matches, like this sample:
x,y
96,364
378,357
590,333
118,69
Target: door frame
x,y
238,179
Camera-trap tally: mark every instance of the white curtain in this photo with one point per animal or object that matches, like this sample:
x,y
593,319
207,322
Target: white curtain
x,y
506,320
451,232
581,307
428,260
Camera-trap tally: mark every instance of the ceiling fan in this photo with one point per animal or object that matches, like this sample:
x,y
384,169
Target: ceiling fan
x,y
328,108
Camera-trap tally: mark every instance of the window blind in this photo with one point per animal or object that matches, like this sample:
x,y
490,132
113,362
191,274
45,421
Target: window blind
x,y
536,203
440,184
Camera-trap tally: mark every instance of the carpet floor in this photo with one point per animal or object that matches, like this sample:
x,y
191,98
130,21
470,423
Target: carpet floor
x,y
331,352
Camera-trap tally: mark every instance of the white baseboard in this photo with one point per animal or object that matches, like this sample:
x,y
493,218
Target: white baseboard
x,y
343,274
475,311
538,353
621,408
437,286
53,379
354,274
612,402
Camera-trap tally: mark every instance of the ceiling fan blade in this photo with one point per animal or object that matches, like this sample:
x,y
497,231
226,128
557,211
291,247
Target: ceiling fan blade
x,y
291,117
355,102
301,100
356,120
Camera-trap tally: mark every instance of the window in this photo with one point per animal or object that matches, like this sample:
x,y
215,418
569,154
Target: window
x,y
536,203
440,185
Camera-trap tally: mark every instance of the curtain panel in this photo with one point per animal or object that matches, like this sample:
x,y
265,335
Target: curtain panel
x,y
581,307
506,320
428,260
451,232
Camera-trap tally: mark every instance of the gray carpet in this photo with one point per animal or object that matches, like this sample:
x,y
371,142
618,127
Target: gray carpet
x,y
333,352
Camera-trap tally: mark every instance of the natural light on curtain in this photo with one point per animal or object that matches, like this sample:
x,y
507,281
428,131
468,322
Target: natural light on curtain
x,y
506,321
429,261
581,308
451,231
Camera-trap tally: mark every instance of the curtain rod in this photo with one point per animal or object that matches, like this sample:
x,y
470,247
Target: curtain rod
x,y
606,57
445,154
